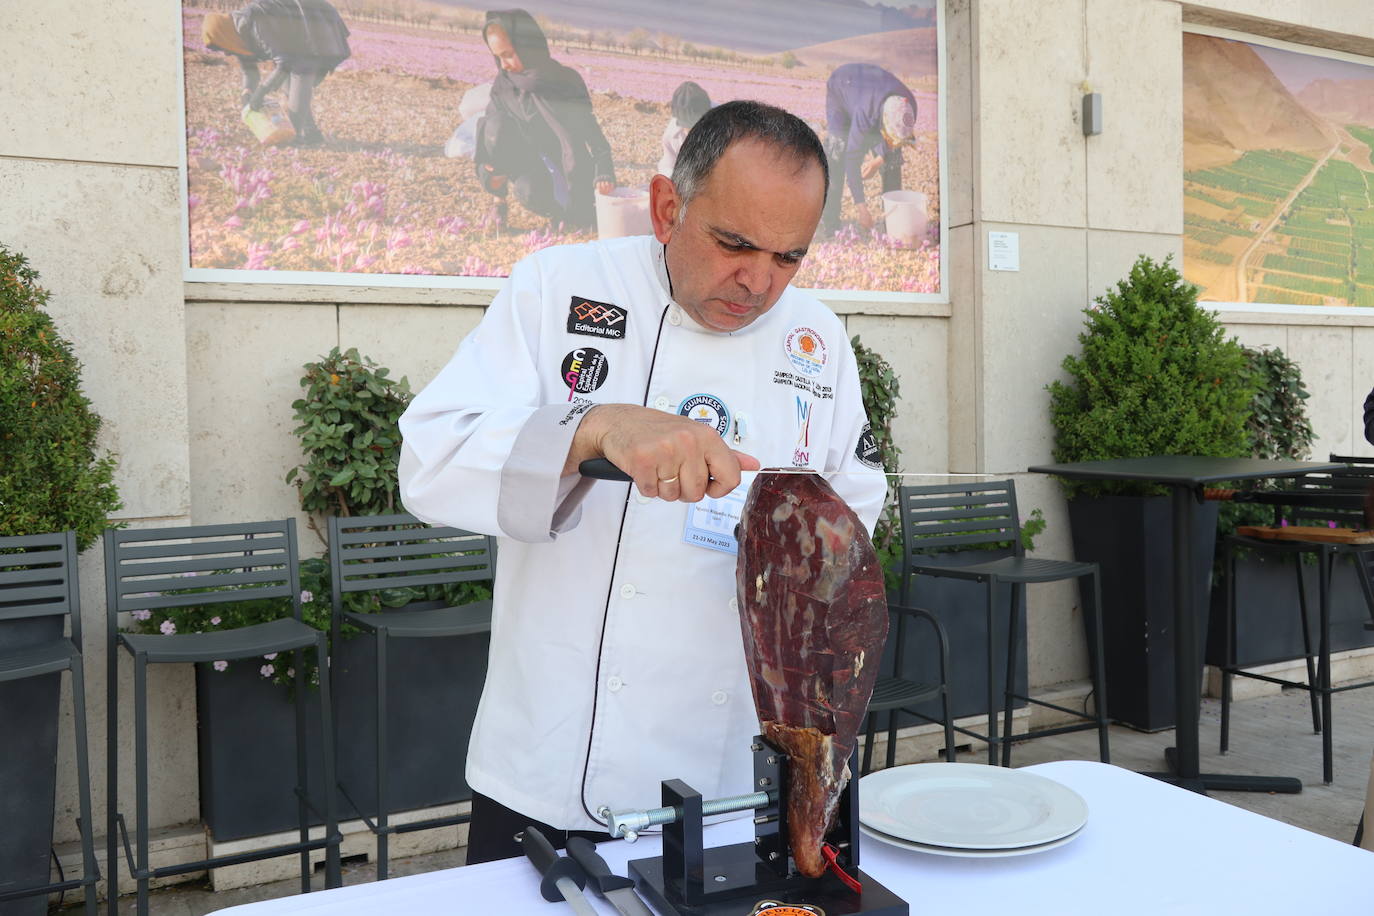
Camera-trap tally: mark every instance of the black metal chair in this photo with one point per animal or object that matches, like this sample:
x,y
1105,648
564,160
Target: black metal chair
x,y
942,521
898,692
1324,518
149,569
38,578
377,562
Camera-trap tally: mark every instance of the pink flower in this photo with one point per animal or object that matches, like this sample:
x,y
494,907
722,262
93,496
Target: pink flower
x,y
168,628
267,670
307,596
270,656
214,621
220,666
142,615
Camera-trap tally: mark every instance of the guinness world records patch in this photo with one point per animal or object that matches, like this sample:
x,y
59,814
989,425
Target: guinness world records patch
x,y
707,409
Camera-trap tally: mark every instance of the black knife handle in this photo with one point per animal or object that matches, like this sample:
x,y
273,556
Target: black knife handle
x,y
550,864
599,876
602,469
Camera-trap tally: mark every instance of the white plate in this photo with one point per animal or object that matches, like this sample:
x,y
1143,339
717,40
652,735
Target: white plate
x,y
969,806
966,853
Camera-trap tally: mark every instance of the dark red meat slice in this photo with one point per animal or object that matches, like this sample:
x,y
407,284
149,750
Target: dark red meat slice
x,y
814,614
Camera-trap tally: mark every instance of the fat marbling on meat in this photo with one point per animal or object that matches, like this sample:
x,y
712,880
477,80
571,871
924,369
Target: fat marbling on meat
x,y
813,610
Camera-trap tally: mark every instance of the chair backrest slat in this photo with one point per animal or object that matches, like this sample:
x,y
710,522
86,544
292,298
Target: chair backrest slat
x,y
371,553
38,578
942,517
155,568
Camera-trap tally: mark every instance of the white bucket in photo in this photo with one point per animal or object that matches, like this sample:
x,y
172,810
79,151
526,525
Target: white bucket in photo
x,y
905,212
624,211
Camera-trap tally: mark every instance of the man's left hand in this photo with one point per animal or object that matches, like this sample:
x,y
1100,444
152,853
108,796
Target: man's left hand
x,y
871,166
605,187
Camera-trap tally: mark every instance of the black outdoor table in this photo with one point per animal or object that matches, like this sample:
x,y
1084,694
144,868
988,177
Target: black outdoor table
x,y
1185,475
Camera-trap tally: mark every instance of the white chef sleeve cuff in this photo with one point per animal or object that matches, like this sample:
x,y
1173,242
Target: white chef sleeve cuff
x,y
536,503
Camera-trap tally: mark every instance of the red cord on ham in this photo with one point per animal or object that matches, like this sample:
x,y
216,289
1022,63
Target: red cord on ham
x,y
813,609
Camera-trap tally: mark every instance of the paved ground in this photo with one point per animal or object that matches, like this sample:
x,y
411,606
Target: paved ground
x,y
1269,735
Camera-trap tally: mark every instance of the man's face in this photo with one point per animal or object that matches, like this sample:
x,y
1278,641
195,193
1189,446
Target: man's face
x,y
743,235
500,44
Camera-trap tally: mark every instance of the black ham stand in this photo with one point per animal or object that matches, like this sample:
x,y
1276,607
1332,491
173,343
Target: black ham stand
x,y
691,880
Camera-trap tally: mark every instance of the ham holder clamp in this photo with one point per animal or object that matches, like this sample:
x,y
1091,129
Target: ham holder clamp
x,y
812,612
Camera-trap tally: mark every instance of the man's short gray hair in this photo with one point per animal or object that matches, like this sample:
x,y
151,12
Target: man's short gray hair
x,y
741,120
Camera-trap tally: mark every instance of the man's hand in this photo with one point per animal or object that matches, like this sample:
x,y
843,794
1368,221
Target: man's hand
x,y
669,456
865,216
605,187
871,166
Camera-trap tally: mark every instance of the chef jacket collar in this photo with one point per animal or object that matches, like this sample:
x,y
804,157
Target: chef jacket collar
x,y
688,322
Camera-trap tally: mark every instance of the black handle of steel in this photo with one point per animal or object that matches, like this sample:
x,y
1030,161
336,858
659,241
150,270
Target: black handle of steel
x,y
550,864
602,469
599,876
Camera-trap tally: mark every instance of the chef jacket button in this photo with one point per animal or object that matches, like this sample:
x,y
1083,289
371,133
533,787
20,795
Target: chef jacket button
x,y
627,591
719,697
615,683
734,604
661,403
674,316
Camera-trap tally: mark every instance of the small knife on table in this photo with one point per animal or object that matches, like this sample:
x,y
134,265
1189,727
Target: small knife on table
x,y
563,877
619,891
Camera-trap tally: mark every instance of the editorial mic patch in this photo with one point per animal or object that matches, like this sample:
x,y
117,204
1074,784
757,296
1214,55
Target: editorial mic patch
x,y
597,319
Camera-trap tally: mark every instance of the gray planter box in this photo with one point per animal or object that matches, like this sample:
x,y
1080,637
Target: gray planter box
x,y
28,769
246,728
1131,540
1268,627
961,607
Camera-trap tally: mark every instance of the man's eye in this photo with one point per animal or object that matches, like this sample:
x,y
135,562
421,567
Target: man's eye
x,y
789,260
729,246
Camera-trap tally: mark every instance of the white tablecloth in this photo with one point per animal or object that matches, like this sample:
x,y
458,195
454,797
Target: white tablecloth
x,y
1148,848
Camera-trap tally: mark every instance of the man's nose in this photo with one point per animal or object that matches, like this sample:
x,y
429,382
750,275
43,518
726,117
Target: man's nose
x,y
754,278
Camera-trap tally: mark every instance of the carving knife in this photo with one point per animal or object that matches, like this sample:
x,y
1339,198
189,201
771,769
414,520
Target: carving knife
x,y
563,878
619,891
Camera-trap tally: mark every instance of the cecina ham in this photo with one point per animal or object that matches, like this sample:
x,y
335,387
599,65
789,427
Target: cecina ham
x,y
813,610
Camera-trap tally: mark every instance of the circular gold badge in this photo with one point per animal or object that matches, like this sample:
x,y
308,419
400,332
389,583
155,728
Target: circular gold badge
x,y
778,908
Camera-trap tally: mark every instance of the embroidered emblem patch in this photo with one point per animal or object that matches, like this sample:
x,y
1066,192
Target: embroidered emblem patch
x,y
597,319
584,370
708,409
866,450
805,351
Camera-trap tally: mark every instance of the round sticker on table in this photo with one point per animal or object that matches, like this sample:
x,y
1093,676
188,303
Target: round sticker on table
x,y
708,409
805,350
585,370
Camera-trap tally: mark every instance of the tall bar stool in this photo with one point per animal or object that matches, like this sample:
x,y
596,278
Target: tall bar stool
x,y
373,559
148,569
38,578
942,521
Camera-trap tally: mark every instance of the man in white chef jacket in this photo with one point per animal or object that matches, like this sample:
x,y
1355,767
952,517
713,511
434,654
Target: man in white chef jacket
x,y
686,359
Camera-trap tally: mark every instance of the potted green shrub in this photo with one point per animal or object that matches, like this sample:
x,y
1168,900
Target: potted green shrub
x,y
53,476
1156,375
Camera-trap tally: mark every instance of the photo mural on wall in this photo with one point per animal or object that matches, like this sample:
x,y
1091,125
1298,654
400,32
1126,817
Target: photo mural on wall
x,y
386,138
1278,174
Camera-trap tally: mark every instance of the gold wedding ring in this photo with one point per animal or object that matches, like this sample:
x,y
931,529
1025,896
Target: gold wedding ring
x,y
672,479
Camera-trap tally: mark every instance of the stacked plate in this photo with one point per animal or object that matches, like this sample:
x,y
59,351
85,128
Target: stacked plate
x,y
968,809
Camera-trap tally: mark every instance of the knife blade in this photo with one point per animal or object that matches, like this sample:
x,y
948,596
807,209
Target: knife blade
x,y
619,891
563,878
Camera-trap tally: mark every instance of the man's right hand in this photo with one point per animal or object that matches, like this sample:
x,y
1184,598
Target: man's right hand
x,y
668,456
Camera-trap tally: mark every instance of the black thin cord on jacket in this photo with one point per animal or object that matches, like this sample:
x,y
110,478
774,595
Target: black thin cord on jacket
x,y
615,560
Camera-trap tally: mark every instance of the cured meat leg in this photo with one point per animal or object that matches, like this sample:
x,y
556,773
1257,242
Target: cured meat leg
x,y
813,609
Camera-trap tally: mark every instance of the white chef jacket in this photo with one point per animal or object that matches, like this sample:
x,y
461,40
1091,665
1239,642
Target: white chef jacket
x,y
616,653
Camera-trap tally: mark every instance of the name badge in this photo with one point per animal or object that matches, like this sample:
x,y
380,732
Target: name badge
x,y
711,522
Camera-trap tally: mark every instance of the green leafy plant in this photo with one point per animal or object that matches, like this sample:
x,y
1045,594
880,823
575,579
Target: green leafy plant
x,y
1156,376
1277,427
879,387
53,475
350,436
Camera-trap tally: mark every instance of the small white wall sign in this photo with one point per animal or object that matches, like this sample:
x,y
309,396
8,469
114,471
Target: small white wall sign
x,y
1004,251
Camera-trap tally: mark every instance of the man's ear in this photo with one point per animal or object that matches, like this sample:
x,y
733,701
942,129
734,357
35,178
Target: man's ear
x,y
664,205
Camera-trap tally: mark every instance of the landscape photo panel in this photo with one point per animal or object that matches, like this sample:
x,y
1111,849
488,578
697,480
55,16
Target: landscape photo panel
x,y
390,188
1278,174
